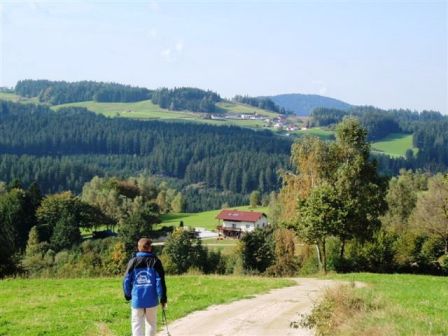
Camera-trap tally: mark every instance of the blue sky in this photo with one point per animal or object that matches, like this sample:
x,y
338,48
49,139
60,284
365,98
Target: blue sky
x,y
390,54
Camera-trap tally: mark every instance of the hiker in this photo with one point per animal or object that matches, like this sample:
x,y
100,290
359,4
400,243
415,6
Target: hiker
x,y
144,284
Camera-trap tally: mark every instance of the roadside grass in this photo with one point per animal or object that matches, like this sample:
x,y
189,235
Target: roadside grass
x,y
395,145
74,307
391,304
204,219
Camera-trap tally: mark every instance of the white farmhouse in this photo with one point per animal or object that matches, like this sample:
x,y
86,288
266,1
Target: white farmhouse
x,y
233,223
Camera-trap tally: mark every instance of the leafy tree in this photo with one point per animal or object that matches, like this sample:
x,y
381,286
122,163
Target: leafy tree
x,y
257,250
401,199
285,259
431,212
183,251
321,214
177,205
357,183
63,214
65,233
137,225
255,199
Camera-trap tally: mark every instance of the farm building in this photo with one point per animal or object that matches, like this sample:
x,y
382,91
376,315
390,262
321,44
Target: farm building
x,y
233,223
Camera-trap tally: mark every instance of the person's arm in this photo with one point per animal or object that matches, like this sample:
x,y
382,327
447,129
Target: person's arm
x,y
128,280
161,273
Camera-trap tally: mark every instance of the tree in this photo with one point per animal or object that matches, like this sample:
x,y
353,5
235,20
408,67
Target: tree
x,y
431,212
322,213
285,260
137,225
183,251
255,199
257,250
63,214
177,204
401,199
337,178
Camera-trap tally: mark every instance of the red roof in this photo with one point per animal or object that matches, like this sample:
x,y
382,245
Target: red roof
x,y
240,216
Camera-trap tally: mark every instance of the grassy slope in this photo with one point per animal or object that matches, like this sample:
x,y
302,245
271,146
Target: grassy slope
x,y
74,307
395,144
204,219
15,98
324,134
413,304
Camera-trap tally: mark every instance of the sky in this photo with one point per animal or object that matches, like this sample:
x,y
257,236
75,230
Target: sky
x,y
389,54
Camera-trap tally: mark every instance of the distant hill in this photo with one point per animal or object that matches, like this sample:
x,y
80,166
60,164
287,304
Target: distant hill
x,y
304,104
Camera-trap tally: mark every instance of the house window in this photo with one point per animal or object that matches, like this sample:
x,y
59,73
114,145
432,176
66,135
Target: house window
x,y
247,226
233,225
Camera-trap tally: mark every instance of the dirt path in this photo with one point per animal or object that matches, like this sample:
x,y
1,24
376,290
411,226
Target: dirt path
x,y
264,315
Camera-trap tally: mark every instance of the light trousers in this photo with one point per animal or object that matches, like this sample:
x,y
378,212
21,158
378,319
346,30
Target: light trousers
x,y
144,321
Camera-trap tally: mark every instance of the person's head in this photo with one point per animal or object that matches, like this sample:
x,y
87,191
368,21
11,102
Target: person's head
x,y
144,245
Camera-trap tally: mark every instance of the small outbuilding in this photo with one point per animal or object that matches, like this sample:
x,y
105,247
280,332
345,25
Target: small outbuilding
x,y
234,223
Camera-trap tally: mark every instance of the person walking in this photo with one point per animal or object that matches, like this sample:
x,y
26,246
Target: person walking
x,y
144,285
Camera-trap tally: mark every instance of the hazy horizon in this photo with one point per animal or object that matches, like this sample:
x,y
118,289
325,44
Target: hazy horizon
x,y
385,54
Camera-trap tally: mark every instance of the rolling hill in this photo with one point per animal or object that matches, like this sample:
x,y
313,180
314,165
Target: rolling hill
x,y
304,104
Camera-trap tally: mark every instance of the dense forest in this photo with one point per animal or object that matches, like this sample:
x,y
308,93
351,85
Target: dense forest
x,y
61,92
62,150
191,99
264,103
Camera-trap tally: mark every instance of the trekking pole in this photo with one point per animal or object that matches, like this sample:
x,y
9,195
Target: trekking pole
x,y
165,321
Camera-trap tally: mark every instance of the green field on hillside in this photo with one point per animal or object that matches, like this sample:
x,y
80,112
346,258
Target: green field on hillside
x,y
395,144
15,98
324,134
92,307
138,110
406,304
206,219
231,107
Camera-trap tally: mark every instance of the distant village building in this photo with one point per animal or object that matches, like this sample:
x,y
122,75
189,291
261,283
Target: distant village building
x,y
234,223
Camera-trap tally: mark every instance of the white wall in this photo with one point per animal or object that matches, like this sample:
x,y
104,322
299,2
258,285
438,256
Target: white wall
x,y
246,226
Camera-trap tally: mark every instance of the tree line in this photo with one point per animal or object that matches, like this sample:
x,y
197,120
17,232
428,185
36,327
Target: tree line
x,y
61,92
185,98
264,103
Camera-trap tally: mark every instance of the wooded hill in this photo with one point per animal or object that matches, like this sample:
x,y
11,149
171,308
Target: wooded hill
x,y
429,130
62,150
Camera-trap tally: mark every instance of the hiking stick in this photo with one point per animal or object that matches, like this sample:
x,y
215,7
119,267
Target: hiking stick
x,y
165,321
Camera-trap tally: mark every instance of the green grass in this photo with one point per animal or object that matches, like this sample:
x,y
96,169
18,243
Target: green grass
x,y
204,219
413,304
139,110
16,98
74,307
231,107
395,144
324,134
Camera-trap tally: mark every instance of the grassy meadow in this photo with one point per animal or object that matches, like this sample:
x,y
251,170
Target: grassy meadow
x,y
400,304
319,132
92,307
395,144
206,219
